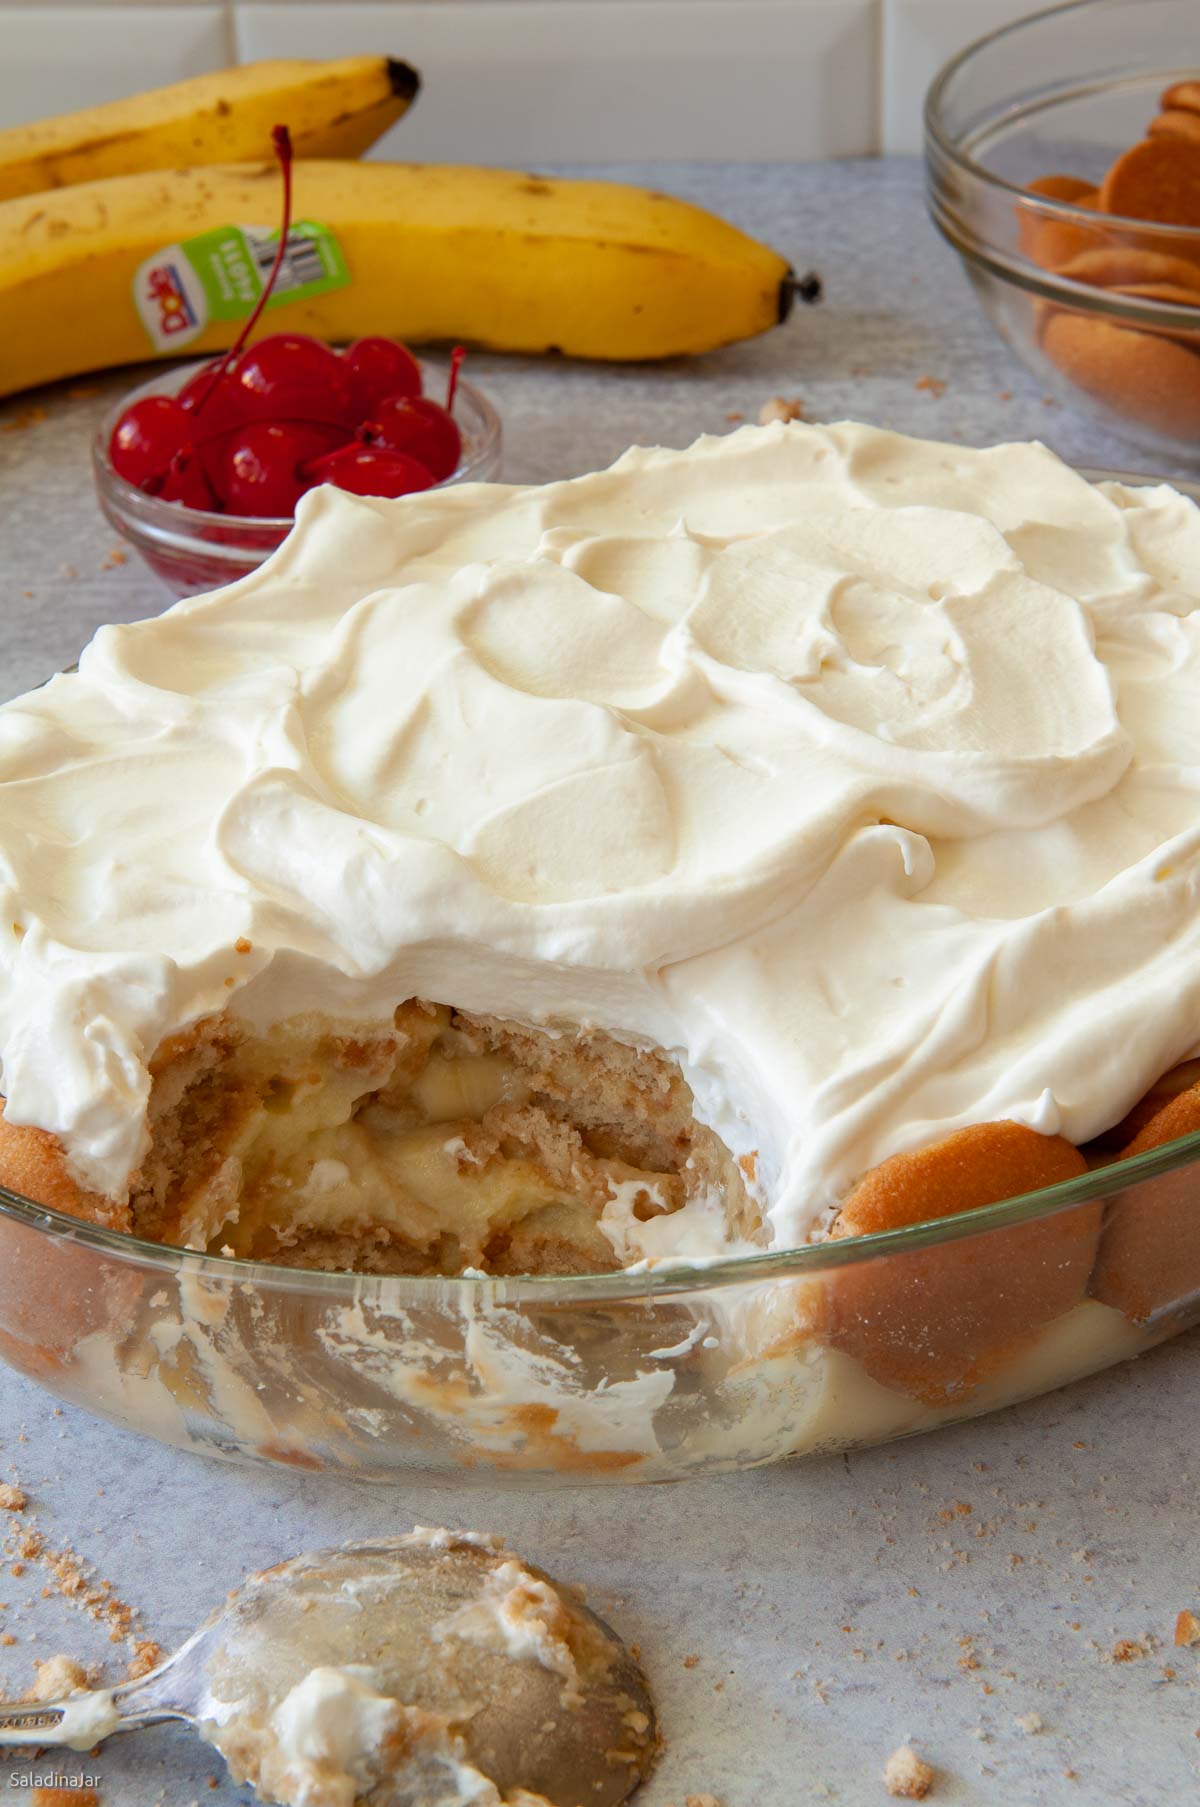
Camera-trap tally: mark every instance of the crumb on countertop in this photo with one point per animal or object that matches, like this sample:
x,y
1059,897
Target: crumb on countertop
x,y
906,1775
73,1579
11,1498
1187,1628
57,1676
779,407
147,1655
1029,1723
931,385
64,1797
25,417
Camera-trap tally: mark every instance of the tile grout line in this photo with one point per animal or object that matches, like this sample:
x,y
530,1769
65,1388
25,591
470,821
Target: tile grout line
x,y
882,72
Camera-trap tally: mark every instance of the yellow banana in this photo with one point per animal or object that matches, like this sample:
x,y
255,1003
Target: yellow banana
x,y
332,109
495,258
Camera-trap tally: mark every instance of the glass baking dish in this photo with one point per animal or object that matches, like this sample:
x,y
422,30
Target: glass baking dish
x,y
649,1376
634,1376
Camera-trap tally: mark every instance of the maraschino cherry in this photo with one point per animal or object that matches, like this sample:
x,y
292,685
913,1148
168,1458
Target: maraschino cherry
x,y
147,437
419,427
291,376
367,470
254,428
220,412
261,473
378,368
187,482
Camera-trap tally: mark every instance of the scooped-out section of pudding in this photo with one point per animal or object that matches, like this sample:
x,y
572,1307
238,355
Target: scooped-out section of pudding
x,y
435,1143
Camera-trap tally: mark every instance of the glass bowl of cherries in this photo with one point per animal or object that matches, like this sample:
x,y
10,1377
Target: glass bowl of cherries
x,y
201,468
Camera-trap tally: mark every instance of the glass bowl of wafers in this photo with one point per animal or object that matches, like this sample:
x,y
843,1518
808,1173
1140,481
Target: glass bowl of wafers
x,y
1063,165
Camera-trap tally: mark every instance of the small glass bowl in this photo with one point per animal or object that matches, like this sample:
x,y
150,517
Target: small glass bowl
x,y
193,550
1064,92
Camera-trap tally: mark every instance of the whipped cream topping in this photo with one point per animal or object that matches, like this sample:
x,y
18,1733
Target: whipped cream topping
x,y
520,1616
328,1734
338,1737
861,773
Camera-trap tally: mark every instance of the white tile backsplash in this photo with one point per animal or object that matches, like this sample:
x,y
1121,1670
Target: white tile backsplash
x,y
918,37
56,58
521,81
539,80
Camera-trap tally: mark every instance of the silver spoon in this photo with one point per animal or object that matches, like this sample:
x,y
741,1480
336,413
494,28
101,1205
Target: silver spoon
x,y
406,1672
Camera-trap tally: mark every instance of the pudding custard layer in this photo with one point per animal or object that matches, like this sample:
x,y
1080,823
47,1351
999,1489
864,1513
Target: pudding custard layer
x,y
845,787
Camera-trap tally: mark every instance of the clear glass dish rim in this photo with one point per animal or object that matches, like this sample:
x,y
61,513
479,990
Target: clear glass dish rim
x,y
400,1291
1080,297
949,148
175,516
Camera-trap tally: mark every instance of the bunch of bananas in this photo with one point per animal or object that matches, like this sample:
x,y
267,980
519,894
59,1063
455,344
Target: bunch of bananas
x,y
140,228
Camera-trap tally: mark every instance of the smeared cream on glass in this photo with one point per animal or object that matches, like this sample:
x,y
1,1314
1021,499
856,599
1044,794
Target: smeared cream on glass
x,y
860,772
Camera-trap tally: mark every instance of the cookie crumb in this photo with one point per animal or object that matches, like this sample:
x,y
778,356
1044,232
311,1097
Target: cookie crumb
x,y
690,1662
56,1676
27,417
11,1498
931,385
64,1797
147,1655
1127,1650
906,1776
780,408
1029,1723
1187,1628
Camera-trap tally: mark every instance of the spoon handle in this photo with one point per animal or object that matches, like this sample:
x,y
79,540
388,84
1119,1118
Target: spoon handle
x,y
80,1722
30,1725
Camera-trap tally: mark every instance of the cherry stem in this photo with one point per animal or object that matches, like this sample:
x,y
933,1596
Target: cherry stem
x,y
281,141
456,363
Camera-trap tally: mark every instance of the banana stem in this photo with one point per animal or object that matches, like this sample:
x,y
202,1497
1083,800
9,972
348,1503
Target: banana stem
x,y
807,288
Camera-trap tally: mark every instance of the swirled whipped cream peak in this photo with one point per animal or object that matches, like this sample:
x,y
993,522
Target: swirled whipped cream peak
x,y
859,774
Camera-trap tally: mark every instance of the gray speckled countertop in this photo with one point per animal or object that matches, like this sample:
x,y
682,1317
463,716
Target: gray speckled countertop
x,y
836,1608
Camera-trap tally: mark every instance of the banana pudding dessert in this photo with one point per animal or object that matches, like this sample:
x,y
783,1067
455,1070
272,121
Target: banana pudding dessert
x,y
781,840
